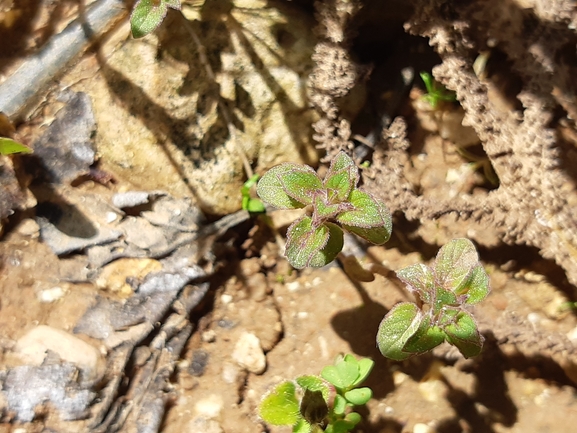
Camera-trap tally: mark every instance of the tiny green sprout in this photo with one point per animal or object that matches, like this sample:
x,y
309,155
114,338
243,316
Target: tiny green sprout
x,y
9,146
436,92
253,205
147,15
456,280
325,403
334,203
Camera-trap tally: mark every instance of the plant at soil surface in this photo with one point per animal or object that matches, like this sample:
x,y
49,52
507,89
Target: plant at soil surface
x,y
147,15
320,403
9,146
253,205
456,280
436,92
334,203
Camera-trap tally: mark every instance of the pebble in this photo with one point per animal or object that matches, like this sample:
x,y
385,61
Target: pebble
x,y
32,349
209,407
423,428
51,295
209,336
248,353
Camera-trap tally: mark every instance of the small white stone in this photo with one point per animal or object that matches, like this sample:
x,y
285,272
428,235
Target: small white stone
x,y
302,314
209,407
111,217
248,353
433,390
31,349
399,377
209,336
51,295
422,428
230,373
293,286
226,299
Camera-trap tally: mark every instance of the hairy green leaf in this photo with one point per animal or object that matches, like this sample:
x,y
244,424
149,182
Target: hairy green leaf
x,y
359,396
289,186
322,210
477,286
426,338
443,298
462,333
310,246
314,383
419,278
370,219
148,14
454,264
396,328
341,178
303,426
9,146
280,406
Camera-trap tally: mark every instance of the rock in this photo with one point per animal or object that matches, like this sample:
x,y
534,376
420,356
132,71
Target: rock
x,y
66,150
248,353
209,407
32,349
423,428
169,128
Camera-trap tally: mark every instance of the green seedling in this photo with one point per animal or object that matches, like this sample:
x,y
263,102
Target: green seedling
x,y
324,403
333,204
436,92
9,146
147,15
253,205
456,280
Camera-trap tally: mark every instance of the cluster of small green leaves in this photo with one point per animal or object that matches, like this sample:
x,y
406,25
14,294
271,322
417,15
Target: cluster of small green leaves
x,y
253,205
314,404
436,92
148,14
335,203
9,146
456,280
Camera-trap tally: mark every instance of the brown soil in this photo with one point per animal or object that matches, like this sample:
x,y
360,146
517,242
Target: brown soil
x,y
167,360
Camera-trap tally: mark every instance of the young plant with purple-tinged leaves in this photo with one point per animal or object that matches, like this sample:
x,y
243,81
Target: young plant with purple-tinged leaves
x,y
147,15
324,403
334,203
456,280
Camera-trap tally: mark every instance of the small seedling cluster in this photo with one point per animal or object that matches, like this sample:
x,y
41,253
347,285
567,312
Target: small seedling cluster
x,y
314,404
249,203
334,203
456,280
436,92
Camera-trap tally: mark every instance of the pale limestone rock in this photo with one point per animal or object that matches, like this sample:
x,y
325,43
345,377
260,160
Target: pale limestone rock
x,y
159,123
32,347
248,353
